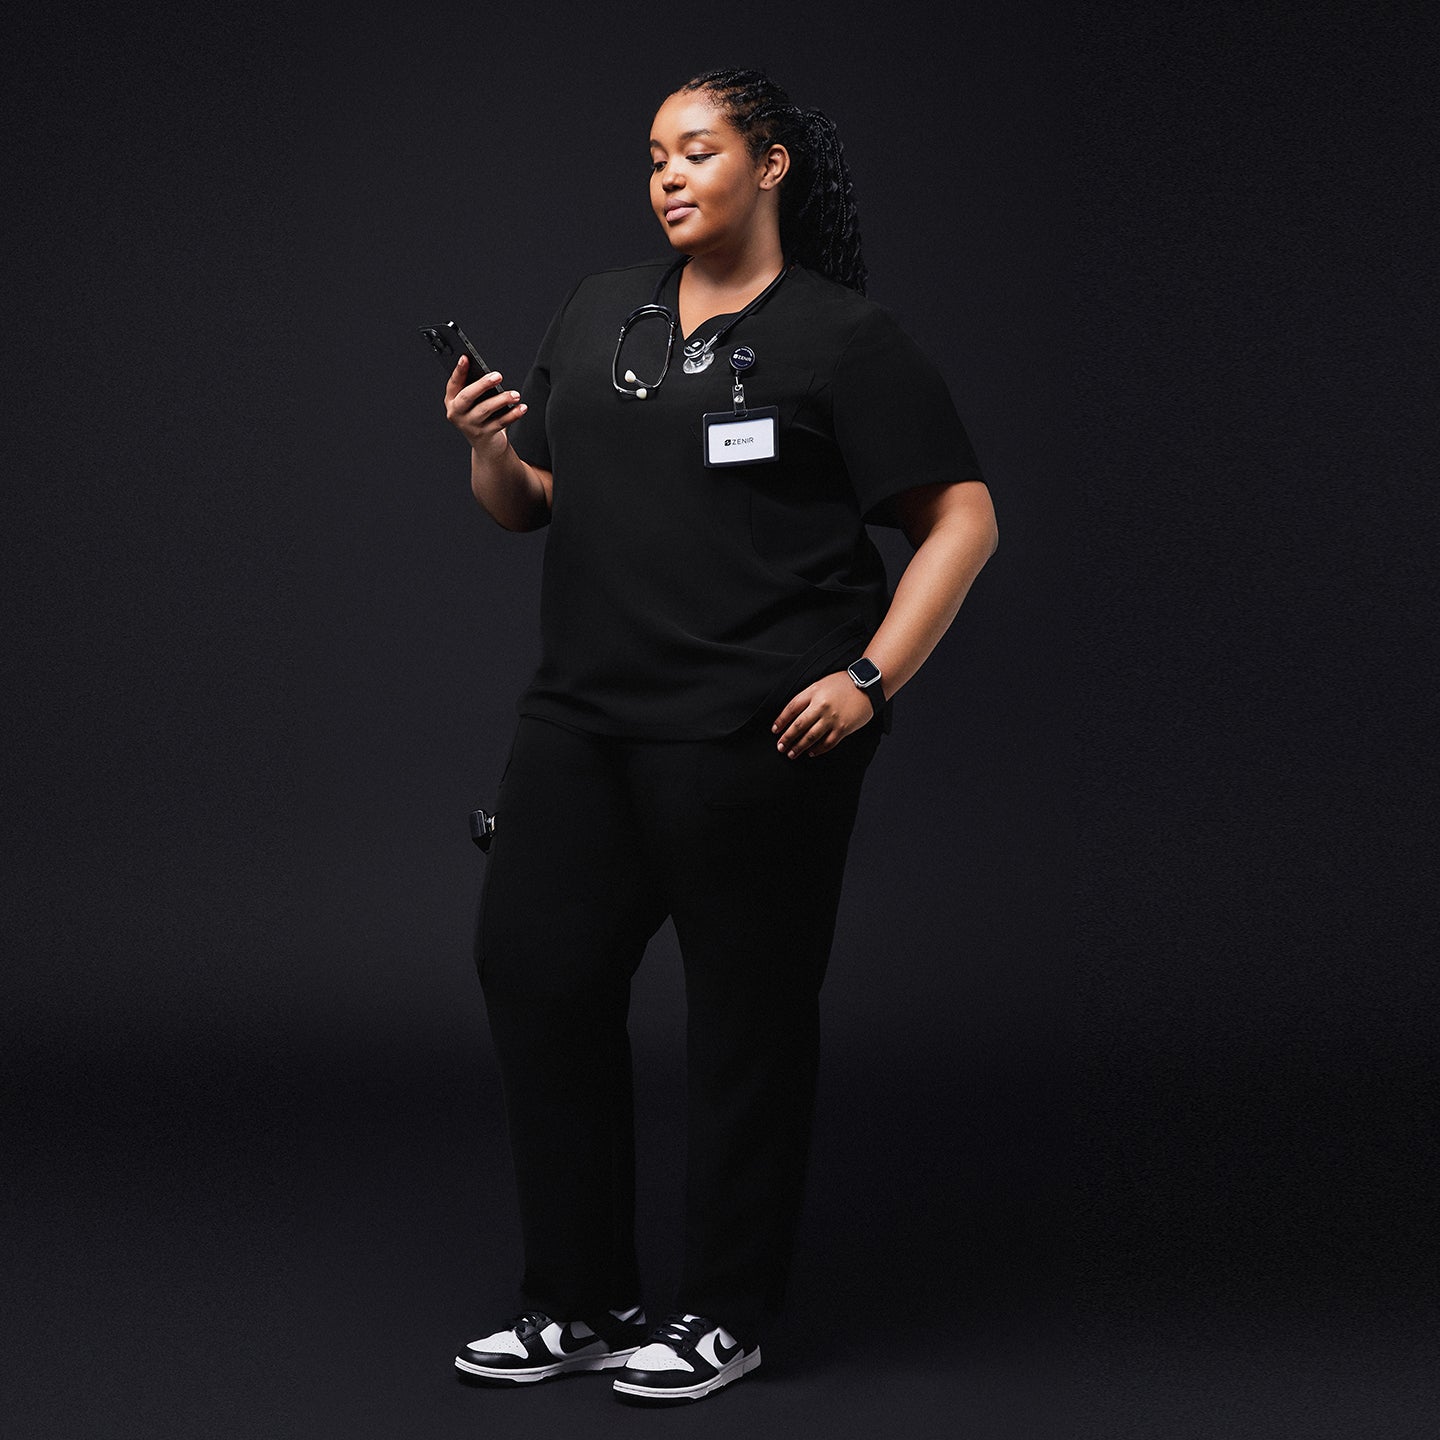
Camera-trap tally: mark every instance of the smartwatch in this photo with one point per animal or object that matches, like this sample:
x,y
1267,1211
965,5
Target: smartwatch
x,y
866,675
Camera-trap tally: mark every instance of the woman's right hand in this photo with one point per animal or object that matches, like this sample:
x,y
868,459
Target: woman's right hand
x,y
513,494
481,422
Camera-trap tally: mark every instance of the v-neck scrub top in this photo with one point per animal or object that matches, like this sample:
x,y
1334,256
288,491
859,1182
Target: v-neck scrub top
x,y
678,601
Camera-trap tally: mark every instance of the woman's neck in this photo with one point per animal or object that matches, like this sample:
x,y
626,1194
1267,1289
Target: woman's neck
x,y
723,281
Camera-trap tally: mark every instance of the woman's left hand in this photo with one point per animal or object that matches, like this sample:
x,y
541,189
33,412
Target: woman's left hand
x,y
821,716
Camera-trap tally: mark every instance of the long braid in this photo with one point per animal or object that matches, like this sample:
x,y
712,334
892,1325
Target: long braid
x,y
819,226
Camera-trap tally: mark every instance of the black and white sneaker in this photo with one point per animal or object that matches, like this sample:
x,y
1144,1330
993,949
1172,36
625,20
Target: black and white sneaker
x,y
535,1347
684,1359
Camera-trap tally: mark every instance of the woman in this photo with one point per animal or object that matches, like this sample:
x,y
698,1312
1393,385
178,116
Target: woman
x,y
718,653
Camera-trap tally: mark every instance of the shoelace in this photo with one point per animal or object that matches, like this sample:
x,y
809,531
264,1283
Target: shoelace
x,y
680,1333
532,1322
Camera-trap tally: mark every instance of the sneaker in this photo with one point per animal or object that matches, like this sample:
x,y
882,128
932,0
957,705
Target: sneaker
x,y
684,1359
535,1347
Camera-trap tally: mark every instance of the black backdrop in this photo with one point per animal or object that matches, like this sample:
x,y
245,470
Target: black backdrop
x,y
266,651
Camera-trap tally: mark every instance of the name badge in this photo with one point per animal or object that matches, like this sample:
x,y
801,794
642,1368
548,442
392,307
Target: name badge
x,y
746,439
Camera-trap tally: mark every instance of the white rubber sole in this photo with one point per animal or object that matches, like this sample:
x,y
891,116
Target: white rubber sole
x,y
740,1365
580,1363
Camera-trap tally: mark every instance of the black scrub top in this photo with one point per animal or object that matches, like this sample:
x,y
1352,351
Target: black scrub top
x,y
681,602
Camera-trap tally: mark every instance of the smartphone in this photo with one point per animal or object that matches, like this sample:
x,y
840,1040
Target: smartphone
x,y
450,342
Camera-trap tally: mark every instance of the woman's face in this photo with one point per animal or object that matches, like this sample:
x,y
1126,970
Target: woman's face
x,y
706,191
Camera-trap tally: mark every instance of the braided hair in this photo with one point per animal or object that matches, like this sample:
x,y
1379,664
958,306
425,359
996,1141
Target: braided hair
x,y
818,223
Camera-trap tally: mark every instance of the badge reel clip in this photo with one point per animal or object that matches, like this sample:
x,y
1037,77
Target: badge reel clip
x,y
740,362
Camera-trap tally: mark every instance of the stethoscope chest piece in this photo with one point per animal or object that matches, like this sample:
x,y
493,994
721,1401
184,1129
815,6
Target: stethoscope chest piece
x,y
699,356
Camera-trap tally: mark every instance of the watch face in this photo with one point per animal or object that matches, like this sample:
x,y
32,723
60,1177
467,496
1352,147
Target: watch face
x,y
864,672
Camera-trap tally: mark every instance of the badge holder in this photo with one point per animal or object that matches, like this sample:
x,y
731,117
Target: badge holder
x,y
741,436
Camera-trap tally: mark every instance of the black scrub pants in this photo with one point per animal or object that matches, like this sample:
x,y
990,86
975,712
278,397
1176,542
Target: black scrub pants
x,y
597,840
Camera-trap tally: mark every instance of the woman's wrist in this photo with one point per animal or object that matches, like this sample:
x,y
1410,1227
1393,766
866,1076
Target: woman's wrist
x,y
868,678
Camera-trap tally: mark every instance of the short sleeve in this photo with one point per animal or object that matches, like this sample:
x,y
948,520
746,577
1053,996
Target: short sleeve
x,y
895,422
528,436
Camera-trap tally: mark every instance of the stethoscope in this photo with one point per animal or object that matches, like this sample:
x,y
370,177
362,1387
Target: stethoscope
x,y
699,354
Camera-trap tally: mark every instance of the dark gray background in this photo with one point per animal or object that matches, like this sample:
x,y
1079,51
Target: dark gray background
x,y
266,651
